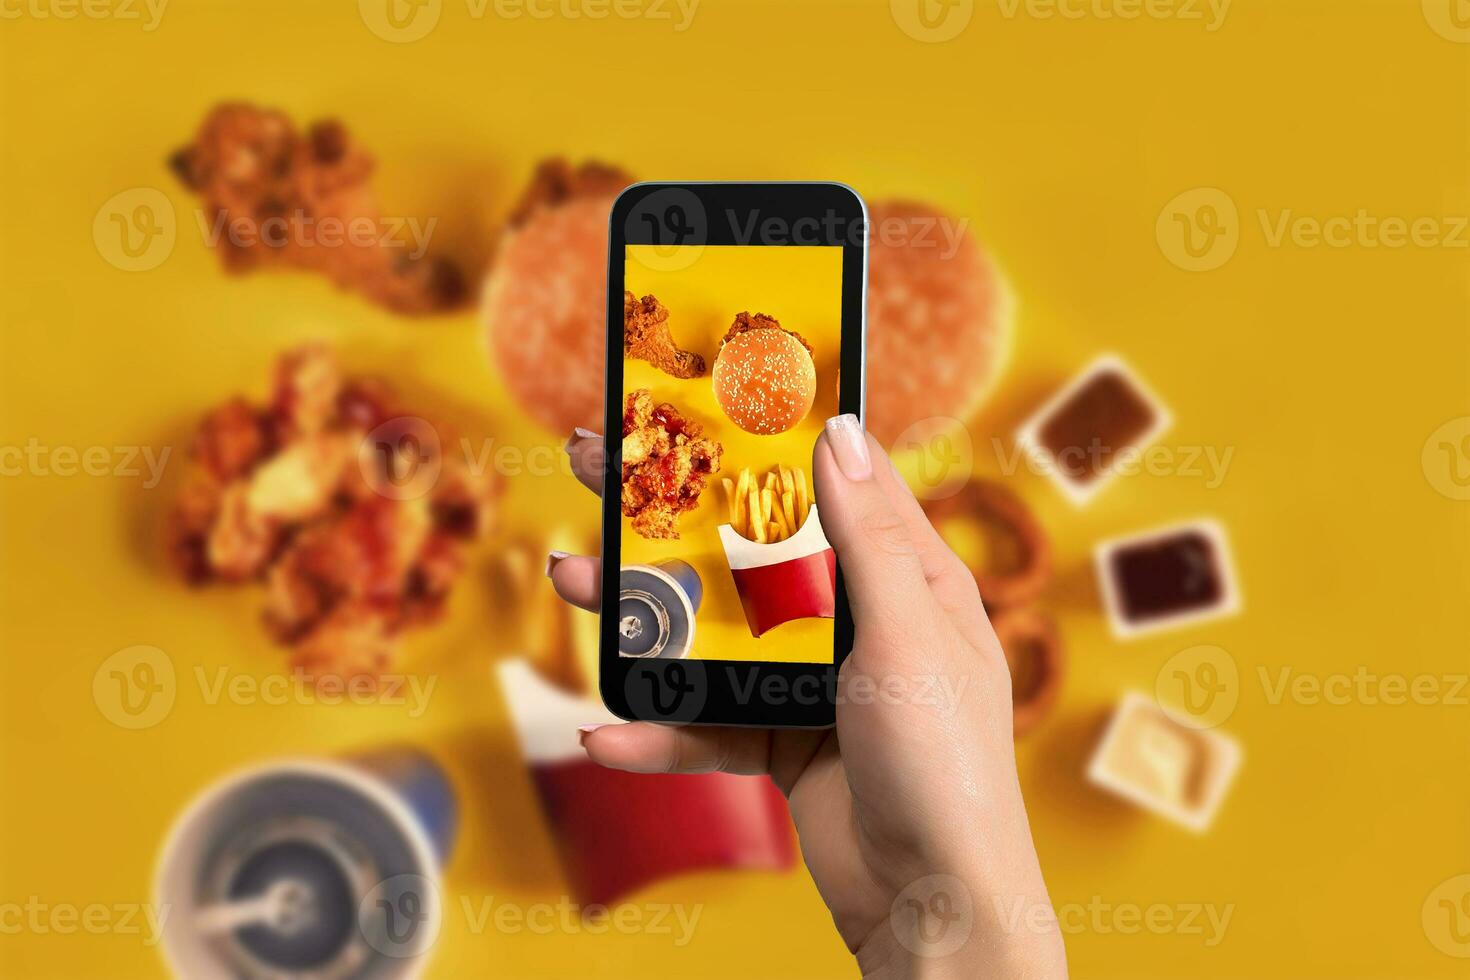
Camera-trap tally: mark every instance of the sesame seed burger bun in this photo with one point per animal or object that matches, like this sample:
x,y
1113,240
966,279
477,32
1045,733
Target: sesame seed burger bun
x,y
938,323
545,300
764,380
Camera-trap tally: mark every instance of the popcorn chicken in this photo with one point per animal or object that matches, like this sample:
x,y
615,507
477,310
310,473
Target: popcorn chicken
x,y
308,383
241,539
186,532
231,439
353,641
297,483
666,463
348,562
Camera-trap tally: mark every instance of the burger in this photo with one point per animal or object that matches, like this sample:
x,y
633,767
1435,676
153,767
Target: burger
x,y
764,378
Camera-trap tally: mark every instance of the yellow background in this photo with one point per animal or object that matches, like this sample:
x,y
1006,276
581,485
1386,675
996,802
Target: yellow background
x,y
1061,140
801,286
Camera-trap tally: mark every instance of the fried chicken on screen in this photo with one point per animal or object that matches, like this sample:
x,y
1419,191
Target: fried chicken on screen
x,y
647,337
667,462
758,321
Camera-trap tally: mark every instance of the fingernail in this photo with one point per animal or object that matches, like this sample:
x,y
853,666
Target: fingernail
x,y
586,730
850,446
578,434
552,560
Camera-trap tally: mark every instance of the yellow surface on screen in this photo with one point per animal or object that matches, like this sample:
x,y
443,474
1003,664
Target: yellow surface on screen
x,y
703,288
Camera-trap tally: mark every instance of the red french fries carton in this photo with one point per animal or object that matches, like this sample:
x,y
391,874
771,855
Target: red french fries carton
x,y
619,831
784,580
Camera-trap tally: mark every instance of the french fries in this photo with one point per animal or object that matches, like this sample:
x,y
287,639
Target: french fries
x,y
769,508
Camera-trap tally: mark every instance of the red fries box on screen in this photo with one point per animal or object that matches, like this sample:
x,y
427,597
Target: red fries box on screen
x,y
784,580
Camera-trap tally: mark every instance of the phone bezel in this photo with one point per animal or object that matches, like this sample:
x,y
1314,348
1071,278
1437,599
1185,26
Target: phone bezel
x,y
733,214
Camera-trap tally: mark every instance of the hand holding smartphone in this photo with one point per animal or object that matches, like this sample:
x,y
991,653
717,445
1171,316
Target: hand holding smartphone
x,y
735,328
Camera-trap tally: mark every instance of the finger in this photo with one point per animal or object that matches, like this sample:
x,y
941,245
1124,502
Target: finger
x,y
645,747
577,579
951,581
881,568
588,454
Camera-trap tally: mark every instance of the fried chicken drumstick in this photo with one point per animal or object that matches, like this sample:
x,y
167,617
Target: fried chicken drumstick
x,y
646,336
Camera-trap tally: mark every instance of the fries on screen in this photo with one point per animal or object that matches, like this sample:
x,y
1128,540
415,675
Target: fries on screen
x,y
768,508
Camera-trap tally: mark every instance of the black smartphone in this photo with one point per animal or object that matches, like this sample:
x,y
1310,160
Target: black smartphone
x,y
735,325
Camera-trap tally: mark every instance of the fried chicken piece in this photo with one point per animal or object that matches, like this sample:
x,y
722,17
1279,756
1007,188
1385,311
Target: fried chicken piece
x,y
241,540
297,483
556,181
428,583
646,336
667,462
231,439
186,530
308,383
759,321
286,493
458,505
658,521
278,197
353,641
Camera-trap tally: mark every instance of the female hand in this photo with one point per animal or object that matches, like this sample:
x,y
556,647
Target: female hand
x,y
909,811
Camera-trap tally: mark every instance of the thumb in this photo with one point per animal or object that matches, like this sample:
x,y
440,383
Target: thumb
x,y
881,567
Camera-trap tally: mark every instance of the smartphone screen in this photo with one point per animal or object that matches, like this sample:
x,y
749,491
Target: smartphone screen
x,y
731,360
735,330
